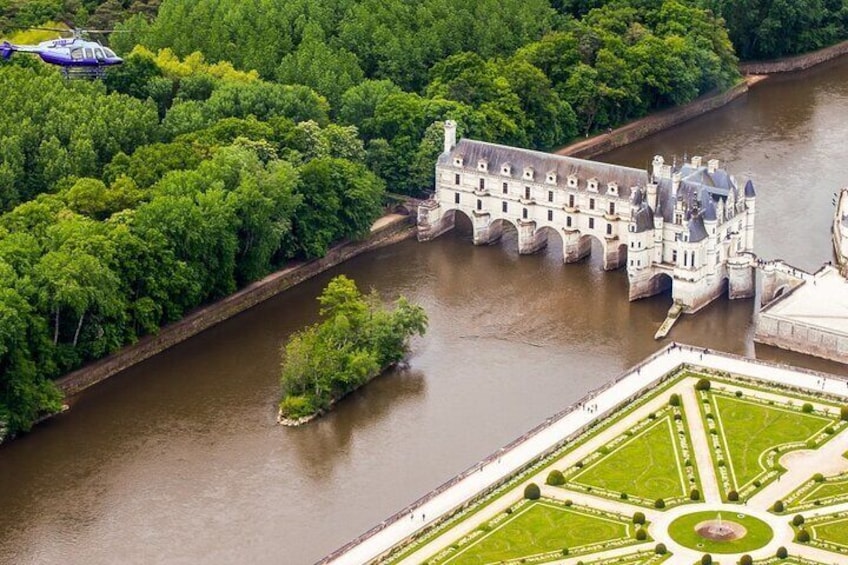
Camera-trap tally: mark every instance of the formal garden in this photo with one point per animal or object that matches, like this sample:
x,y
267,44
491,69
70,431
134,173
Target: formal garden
x,y
703,468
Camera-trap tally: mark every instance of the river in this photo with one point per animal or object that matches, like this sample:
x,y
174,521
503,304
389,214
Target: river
x,y
179,460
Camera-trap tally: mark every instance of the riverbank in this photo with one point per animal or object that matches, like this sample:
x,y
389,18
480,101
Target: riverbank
x,y
796,63
385,231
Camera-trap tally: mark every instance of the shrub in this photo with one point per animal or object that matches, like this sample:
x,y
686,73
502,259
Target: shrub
x,y
818,477
296,406
567,502
579,464
532,492
659,503
738,394
677,417
555,478
797,520
694,494
641,534
652,416
660,549
639,518
623,496
707,559
603,450
843,413
782,553
674,400
829,430
703,384
757,484
564,551
778,506
508,511
803,536
746,560
733,496
807,408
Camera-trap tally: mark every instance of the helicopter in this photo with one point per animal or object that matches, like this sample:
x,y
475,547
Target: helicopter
x,y
78,57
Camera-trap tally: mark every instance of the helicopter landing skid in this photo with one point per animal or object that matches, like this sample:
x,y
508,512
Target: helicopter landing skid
x,y
84,73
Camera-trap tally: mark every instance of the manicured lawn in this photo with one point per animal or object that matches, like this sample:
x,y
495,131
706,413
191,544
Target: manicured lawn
x,y
647,465
750,430
826,490
834,532
540,527
682,530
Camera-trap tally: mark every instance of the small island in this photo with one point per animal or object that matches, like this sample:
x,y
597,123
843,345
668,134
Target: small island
x,y
357,340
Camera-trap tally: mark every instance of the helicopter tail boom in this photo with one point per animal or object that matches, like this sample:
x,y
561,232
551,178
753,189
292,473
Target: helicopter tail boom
x,y
6,50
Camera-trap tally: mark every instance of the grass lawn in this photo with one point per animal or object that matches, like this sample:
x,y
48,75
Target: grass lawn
x,y
826,490
540,527
749,430
647,465
835,531
682,530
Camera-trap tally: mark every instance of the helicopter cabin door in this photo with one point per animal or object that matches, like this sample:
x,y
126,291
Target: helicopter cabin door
x,y
98,54
89,55
76,54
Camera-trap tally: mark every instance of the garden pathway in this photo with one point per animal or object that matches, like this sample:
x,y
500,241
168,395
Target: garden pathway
x,y
700,444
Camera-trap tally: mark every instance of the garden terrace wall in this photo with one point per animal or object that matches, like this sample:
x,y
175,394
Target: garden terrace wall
x,y
388,230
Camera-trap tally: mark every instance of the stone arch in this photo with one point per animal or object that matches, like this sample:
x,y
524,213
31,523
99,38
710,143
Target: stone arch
x,y
401,209
449,216
780,291
660,283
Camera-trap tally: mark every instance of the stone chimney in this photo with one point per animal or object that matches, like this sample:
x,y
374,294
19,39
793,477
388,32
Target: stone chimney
x,y
712,165
450,135
696,161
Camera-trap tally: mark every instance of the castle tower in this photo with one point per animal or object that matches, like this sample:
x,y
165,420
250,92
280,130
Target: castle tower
x,y
450,135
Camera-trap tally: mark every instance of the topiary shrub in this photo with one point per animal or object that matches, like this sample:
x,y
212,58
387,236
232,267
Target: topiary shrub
x,y
738,394
564,551
797,520
746,560
659,503
532,492
818,477
782,553
778,506
567,502
639,518
694,494
807,408
579,465
803,536
703,384
660,549
674,400
623,496
707,559
843,413
555,478
641,534
733,496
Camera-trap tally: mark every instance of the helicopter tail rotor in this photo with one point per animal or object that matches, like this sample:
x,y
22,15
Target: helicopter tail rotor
x,y
6,50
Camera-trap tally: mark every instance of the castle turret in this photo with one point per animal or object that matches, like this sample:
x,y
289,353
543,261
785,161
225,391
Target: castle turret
x,y
450,135
750,199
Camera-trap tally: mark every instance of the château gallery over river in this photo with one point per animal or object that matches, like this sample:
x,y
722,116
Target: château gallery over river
x,y
178,459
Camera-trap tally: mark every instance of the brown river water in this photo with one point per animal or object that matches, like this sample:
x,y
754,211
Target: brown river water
x,y
179,459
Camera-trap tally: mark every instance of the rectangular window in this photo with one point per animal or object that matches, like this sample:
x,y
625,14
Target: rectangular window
x,y
503,206
482,184
505,188
568,221
571,201
612,208
527,193
674,256
479,204
550,196
456,198
609,229
591,223
550,215
524,213
456,178
591,204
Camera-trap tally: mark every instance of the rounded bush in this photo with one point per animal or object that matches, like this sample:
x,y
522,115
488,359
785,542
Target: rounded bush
x,y
639,518
807,408
803,536
782,553
532,492
797,520
703,384
818,477
843,413
564,551
746,560
555,478
778,506
694,494
660,549
674,400
659,503
641,534
579,464
623,496
738,394
733,496
567,502
707,559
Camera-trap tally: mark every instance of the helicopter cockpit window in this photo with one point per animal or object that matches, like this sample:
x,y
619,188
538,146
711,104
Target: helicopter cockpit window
x,y
109,52
76,54
88,54
98,53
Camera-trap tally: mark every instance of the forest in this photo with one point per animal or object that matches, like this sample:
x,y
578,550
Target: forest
x,y
211,158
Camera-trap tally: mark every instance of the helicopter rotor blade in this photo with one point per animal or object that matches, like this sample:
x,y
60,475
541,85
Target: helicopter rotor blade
x,y
59,29
105,31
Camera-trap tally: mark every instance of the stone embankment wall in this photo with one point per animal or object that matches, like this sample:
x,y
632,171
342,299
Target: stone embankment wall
x,y
654,123
797,63
387,230
794,335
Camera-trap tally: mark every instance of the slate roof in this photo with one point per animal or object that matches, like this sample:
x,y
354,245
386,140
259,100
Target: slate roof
x,y
496,156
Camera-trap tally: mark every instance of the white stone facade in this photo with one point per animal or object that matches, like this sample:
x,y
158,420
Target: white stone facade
x,y
689,226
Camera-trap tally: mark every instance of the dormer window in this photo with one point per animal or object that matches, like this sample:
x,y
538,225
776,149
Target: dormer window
x,y
529,173
612,188
593,184
506,169
572,181
551,177
483,165
457,161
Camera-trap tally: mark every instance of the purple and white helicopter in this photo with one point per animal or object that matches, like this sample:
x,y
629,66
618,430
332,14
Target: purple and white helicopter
x,y
78,57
